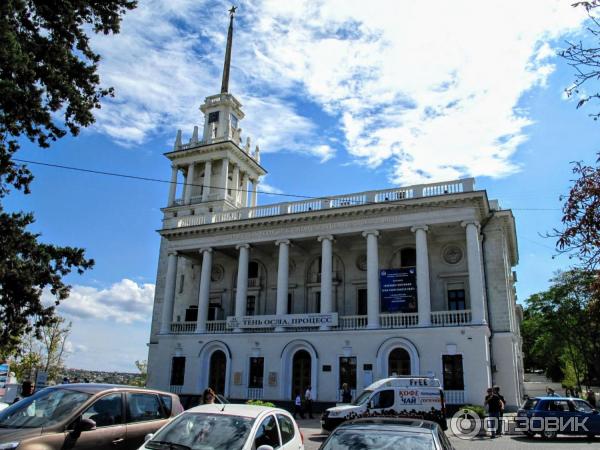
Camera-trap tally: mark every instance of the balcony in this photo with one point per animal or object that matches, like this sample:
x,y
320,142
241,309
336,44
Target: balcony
x,y
326,203
357,322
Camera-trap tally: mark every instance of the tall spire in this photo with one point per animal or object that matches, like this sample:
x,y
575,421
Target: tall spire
x,y
227,64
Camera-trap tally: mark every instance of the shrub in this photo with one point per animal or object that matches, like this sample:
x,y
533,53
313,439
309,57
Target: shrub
x,y
479,410
260,403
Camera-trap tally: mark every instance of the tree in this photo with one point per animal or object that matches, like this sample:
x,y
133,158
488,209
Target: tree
x,y
585,59
47,71
140,380
47,67
45,353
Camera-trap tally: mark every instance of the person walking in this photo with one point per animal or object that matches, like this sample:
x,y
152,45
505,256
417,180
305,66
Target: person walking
x,y
346,394
497,392
550,392
308,400
494,407
591,398
208,396
298,406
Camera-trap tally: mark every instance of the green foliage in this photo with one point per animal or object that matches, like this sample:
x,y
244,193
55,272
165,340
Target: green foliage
x,y
479,410
140,380
561,329
260,403
48,70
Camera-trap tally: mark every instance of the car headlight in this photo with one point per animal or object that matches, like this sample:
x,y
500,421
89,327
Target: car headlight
x,y
9,445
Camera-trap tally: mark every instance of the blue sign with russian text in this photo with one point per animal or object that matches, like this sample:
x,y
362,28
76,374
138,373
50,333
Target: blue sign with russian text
x,y
398,290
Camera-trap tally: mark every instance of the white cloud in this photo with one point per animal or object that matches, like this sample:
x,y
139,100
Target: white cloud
x,y
432,88
125,302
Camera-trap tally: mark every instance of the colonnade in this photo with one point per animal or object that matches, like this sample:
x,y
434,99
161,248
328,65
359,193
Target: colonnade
x,y
474,263
239,194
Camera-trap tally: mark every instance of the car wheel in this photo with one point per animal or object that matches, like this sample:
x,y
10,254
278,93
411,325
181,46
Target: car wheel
x,y
547,434
529,434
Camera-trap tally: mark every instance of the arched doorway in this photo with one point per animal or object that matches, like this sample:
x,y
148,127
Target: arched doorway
x,y
217,371
301,372
399,362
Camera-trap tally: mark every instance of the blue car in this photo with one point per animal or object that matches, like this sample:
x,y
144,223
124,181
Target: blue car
x,y
550,416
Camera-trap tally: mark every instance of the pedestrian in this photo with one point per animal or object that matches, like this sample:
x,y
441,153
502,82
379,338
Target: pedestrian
x,y
308,400
495,407
208,396
346,394
591,398
550,392
298,406
497,392
27,389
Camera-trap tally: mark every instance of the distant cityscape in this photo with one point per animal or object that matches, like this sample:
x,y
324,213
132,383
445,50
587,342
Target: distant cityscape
x,y
94,376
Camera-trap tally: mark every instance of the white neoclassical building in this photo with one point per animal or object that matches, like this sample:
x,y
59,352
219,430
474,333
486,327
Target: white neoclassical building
x,y
263,301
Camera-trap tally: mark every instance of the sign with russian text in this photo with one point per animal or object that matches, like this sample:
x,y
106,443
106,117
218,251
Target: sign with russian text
x,y
398,290
287,321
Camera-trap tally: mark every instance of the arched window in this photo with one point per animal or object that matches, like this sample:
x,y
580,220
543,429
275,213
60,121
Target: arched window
x,y
408,257
398,362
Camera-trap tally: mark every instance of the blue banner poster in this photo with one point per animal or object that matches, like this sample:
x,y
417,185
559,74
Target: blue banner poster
x,y
398,290
3,373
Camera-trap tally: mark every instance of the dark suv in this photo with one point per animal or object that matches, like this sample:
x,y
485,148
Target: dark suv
x,y
86,416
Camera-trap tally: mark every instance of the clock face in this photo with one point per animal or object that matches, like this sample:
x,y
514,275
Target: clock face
x,y
213,117
453,254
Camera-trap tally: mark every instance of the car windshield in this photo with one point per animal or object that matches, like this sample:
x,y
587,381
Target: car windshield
x,y
362,398
530,404
43,409
199,431
356,439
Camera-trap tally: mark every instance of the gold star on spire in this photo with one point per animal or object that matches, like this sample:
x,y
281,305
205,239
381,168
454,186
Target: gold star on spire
x,y
232,10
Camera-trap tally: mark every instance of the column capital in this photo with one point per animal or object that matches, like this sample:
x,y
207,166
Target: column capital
x,y
464,223
282,241
414,228
237,247
370,232
326,237
172,253
205,250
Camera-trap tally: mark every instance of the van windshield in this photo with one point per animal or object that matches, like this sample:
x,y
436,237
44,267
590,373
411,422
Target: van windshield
x,y
43,409
362,398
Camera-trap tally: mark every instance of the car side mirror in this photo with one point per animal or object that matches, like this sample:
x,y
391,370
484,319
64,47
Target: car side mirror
x,y
84,425
265,447
148,437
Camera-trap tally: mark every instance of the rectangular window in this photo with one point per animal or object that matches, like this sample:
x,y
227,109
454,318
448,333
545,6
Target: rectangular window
x,y
191,314
317,302
361,305
290,304
234,122
213,117
453,372
348,371
257,366
181,281
251,305
177,371
214,310
456,300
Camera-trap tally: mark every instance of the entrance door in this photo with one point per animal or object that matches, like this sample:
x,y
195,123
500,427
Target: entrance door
x,y
398,362
301,369
217,370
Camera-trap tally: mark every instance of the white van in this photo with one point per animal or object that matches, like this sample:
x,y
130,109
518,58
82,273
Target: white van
x,y
406,396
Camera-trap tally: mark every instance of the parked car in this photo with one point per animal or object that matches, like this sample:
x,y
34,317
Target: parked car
x,y
86,416
229,427
564,413
3,405
382,432
398,396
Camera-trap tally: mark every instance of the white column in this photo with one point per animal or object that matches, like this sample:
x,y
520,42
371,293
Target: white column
x,y
235,184
326,272
423,287
241,293
204,291
245,180
189,182
282,278
476,292
207,180
254,189
173,185
225,176
372,279
169,295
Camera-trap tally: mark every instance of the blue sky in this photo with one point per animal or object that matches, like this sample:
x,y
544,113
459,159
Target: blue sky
x,y
360,99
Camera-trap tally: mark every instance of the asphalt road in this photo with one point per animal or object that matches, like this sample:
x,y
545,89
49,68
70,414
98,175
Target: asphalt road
x,y
313,439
